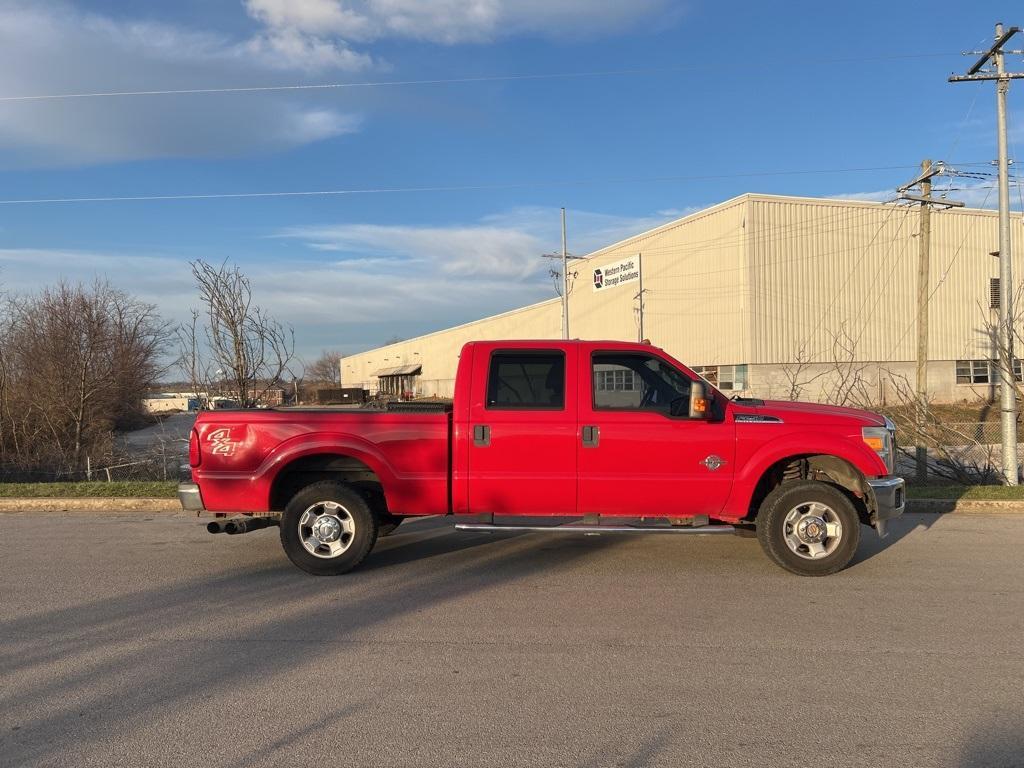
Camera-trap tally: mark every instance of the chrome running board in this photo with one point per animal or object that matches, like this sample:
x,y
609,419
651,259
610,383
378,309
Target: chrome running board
x,y
592,530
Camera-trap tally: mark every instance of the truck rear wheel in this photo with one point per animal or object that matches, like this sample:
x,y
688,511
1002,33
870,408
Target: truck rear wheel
x,y
328,529
809,528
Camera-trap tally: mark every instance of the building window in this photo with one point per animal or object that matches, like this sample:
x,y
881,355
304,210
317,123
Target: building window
x,y
617,380
993,293
983,371
707,372
972,372
727,378
732,377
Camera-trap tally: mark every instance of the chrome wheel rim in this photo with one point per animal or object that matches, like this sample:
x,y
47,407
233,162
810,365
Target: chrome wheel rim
x,y
326,529
812,531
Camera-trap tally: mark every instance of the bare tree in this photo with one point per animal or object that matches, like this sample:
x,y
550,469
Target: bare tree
x,y
847,380
955,452
232,345
326,369
75,362
797,373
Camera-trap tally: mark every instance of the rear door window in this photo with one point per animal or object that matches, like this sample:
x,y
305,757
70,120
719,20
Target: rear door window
x,y
526,381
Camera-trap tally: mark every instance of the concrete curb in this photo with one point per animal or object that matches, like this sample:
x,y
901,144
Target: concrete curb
x,y
171,506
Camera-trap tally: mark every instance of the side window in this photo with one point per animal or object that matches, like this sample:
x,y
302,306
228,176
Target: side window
x,y
636,382
526,380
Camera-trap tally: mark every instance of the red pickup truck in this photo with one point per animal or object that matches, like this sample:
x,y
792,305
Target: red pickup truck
x,y
561,436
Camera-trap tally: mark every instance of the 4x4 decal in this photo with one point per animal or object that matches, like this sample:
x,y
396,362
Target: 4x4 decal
x,y
221,443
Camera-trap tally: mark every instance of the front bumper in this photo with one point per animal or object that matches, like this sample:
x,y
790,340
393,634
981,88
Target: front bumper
x,y
190,497
890,499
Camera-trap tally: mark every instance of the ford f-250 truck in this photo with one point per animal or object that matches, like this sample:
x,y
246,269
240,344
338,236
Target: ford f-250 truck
x,y
561,436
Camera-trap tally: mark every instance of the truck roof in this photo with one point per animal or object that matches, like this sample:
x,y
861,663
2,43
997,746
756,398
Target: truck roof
x,y
562,343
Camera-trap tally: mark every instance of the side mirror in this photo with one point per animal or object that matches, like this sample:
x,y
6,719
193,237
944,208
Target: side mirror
x,y
700,407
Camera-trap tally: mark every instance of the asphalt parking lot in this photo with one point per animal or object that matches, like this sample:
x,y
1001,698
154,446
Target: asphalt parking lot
x,y
128,641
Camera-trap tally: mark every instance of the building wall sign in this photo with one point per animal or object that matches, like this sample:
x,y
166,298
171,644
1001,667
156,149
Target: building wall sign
x,y
617,273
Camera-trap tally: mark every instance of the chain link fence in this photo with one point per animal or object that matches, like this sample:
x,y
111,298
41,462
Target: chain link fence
x,y
965,452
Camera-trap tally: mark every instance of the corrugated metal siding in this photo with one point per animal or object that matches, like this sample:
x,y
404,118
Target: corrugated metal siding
x,y
962,265
828,270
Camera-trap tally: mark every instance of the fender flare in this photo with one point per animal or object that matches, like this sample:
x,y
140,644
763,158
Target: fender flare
x,y
324,443
862,458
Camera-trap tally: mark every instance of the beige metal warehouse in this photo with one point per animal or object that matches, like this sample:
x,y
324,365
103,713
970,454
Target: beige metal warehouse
x,y
765,295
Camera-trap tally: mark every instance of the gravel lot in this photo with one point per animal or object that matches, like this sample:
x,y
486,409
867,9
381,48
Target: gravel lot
x,y
128,641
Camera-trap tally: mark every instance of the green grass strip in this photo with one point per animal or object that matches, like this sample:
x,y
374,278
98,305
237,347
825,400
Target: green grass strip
x,y
970,492
119,490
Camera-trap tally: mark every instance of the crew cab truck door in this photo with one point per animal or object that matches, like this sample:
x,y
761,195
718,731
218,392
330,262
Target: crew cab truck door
x,y
522,432
635,457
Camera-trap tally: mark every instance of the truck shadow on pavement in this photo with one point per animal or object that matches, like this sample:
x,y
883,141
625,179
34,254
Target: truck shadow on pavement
x,y
423,540
871,544
82,679
996,744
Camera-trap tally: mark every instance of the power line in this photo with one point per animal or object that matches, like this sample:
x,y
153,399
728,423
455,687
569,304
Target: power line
x,y
436,81
454,188
941,282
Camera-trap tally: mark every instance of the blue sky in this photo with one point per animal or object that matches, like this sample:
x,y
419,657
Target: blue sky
x,y
740,88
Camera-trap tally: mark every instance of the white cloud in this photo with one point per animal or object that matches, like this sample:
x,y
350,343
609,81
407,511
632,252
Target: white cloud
x,y
354,285
879,196
318,17
455,21
330,304
974,194
50,48
504,245
980,194
464,251
290,49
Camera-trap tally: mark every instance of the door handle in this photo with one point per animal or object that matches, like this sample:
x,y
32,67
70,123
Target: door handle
x,y
591,436
481,435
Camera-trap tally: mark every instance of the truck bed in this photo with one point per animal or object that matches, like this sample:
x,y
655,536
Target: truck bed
x,y
247,455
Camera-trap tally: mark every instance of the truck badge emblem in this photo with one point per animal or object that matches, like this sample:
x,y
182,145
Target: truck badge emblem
x,y
713,462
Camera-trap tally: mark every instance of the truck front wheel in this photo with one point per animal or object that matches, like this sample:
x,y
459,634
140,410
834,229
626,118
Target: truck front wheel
x,y
328,529
809,528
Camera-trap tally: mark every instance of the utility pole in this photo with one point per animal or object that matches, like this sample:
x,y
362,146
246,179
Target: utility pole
x,y
562,278
565,282
640,295
924,181
1008,388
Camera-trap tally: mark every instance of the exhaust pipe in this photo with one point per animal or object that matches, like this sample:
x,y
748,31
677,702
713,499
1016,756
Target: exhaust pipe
x,y
237,525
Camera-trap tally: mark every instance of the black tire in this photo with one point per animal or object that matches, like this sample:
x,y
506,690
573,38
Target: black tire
x,y
351,505
797,498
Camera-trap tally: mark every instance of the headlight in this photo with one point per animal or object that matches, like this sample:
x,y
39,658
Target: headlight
x,y
881,441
